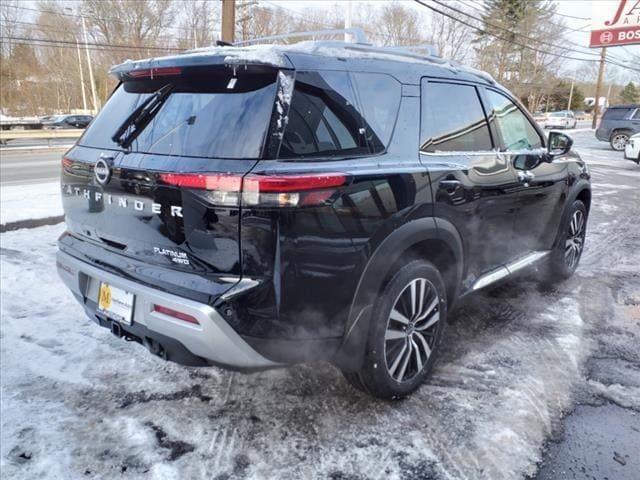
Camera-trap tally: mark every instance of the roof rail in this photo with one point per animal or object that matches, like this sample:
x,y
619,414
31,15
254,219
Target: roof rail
x,y
431,50
355,33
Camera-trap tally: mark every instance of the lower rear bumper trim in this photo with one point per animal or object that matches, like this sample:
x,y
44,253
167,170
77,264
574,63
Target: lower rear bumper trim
x,y
213,339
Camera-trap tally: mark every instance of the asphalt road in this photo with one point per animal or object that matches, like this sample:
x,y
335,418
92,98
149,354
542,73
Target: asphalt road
x,y
31,166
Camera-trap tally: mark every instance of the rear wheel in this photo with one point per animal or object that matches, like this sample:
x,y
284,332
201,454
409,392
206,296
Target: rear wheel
x,y
405,332
619,140
565,256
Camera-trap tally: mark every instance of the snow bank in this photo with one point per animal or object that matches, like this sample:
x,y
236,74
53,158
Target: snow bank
x,y
30,202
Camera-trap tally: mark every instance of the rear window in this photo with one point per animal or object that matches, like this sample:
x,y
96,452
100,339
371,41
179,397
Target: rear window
x,y
207,116
327,118
323,119
616,113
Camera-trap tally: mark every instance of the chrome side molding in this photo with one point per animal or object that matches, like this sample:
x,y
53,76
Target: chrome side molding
x,y
506,270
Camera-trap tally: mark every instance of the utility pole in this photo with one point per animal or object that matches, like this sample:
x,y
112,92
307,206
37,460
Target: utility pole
x,y
603,56
609,93
94,97
228,20
84,95
347,22
573,81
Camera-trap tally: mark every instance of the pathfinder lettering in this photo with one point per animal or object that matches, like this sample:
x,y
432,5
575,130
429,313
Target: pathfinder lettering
x,y
122,202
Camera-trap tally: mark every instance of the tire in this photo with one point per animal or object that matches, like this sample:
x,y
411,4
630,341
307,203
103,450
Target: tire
x,y
618,140
405,332
566,253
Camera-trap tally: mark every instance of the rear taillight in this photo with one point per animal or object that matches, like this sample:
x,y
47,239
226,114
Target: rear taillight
x,y
290,190
223,189
155,72
261,190
66,162
170,312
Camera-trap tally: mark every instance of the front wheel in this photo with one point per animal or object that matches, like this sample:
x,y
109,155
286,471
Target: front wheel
x,y
618,141
405,332
566,254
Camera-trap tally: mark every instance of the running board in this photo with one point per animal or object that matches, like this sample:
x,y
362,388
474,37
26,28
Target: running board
x,y
510,268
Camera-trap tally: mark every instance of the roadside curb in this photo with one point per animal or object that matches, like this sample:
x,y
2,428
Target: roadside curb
x,y
31,223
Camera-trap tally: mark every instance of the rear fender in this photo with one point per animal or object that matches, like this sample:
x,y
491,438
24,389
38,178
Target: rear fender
x,y
351,353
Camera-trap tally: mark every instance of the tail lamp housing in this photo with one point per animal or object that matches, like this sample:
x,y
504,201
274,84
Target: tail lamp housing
x,y
261,190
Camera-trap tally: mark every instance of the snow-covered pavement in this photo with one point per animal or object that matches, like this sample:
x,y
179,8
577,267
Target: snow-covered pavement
x,y
78,402
29,202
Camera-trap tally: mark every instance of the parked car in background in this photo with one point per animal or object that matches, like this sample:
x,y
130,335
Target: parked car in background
x,y
632,149
539,117
564,119
67,121
618,124
581,115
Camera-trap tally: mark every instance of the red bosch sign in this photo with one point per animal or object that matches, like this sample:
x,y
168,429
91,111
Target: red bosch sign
x,y
615,22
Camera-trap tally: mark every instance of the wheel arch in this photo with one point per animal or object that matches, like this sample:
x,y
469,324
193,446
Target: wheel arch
x,y
432,239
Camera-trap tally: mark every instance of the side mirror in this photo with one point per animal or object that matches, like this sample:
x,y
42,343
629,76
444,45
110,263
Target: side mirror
x,y
559,144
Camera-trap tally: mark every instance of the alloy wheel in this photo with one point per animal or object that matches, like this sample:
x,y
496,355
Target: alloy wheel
x,y
411,329
575,239
619,142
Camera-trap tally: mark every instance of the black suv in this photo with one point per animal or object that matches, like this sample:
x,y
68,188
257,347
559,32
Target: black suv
x,y
261,206
618,124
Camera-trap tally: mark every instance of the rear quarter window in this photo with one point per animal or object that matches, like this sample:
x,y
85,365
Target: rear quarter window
x,y
616,113
379,96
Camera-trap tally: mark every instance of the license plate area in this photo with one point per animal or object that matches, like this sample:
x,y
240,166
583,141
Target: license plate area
x,y
116,303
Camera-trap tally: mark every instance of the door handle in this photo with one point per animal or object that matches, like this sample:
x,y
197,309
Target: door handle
x,y
449,185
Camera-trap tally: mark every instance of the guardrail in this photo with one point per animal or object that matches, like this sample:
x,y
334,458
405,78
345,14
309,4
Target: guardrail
x,y
6,135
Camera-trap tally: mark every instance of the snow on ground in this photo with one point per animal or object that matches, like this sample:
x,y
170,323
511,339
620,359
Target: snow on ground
x,y
76,401
74,398
29,202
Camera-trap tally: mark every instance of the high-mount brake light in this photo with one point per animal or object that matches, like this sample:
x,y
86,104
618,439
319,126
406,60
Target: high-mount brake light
x,y
155,72
170,312
260,190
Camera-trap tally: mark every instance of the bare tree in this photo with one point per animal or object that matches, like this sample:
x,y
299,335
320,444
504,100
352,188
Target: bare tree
x,y
451,38
199,25
399,25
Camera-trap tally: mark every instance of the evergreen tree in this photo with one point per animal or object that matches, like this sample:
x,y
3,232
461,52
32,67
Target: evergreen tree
x,y
630,94
514,45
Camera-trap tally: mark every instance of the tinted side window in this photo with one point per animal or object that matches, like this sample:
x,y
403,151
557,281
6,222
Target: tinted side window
x,y
323,119
452,119
516,130
379,96
636,116
616,113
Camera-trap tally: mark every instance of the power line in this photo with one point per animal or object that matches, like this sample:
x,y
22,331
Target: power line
x,y
40,26
110,45
587,52
88,17
72,47
539,50
525,37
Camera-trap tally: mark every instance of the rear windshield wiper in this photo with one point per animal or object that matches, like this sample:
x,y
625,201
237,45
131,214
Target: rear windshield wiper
x,y
135,123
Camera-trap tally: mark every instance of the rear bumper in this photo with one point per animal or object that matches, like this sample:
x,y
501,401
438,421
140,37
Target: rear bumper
x,y
213,341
